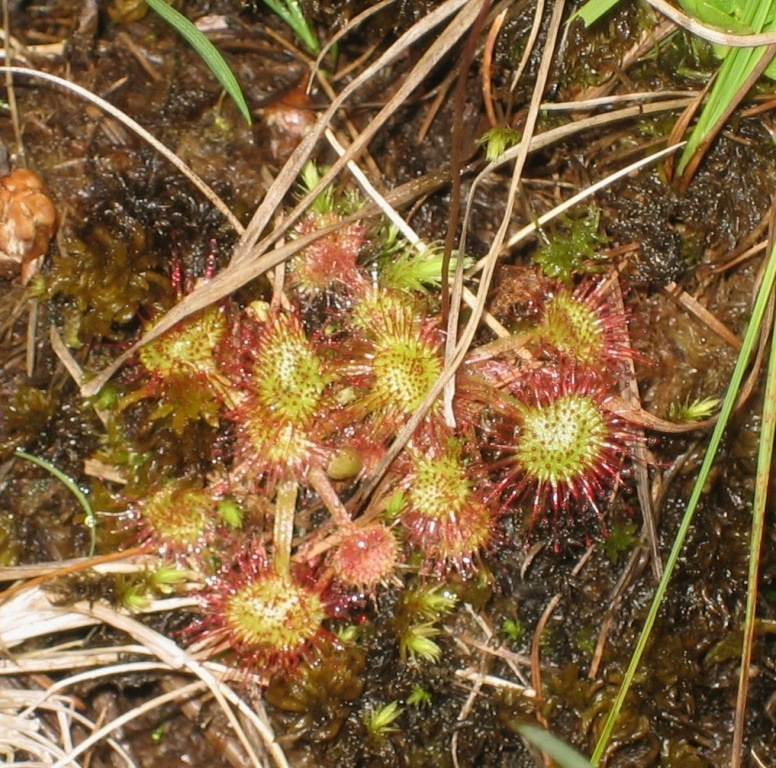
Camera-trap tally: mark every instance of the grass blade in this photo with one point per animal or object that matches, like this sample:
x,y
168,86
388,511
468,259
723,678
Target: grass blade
x,y
206,51
752,331
731,85
291,13
762,479
593,10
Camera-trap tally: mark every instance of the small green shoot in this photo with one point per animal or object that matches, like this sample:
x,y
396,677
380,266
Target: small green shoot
x,y
347,634
132,593
291,13
394,506
231,513
379,721
416,643
431,601
419,697
136,591
498,140
693,410
309,178
418,611
206,51
416,271
90,519
513,629
166,579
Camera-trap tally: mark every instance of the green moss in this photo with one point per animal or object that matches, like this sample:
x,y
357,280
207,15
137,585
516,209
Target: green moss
x,y
10,547
24,416
316,699
572,248
101,282
418,611
513,629
621,539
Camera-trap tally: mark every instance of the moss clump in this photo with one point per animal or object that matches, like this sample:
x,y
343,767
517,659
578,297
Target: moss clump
x,y
573,249
100,283
24,417
317,698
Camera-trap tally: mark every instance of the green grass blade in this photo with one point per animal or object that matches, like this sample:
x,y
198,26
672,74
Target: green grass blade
x,y
752,331
733,73
738,65
558,750
291,13
90,519
762,480
206,51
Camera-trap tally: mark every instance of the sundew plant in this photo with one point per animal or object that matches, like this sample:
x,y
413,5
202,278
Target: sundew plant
x,y
366,406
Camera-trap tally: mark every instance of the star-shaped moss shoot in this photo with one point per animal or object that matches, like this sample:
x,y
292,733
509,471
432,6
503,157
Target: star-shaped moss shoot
x,y
281,423
444,514
270,620
565,447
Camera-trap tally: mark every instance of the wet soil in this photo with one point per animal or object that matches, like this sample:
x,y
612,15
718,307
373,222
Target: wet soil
x,y
129,223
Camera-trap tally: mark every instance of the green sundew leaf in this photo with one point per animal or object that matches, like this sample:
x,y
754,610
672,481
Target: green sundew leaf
x,y
593,10
564,755
90,519
206,51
